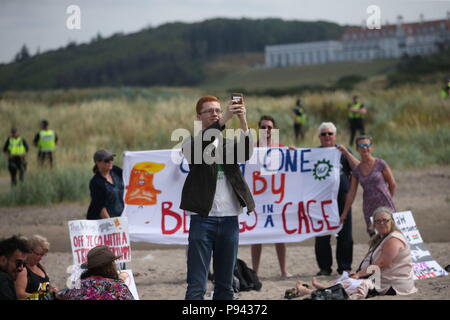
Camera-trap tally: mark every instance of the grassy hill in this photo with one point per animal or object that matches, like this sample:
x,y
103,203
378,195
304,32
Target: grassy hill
x,y
173,54
251,78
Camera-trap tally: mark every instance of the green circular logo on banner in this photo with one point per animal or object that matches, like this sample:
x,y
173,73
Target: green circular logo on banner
x,y
322,169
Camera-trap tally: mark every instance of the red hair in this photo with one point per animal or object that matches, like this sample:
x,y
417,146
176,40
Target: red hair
x,y
204,99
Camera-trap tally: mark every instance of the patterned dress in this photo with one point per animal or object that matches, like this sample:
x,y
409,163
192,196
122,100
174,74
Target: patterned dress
x,y
376,190
97,288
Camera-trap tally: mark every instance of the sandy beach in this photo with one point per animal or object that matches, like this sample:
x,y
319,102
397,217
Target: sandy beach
x,y
160,270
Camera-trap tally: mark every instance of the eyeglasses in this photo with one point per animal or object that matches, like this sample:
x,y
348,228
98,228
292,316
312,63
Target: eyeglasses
x,y
380,221
364,145
40,254
323,134
20,263
211,111
266,127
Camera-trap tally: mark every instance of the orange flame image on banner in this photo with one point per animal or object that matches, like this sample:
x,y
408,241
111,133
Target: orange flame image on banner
x,y
140,190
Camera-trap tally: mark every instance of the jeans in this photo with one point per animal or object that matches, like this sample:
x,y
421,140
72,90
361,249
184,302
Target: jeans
x,y
217,235
344,248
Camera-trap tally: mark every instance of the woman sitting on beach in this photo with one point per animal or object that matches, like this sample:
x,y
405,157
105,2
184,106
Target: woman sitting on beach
x,y
100,281
377,181
390,252
33,282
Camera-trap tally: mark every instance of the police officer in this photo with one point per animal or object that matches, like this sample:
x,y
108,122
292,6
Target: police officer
x,y
299,116
16,149
356,112
45,140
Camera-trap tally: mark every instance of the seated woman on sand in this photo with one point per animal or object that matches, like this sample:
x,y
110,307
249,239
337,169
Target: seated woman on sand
x,y
389,251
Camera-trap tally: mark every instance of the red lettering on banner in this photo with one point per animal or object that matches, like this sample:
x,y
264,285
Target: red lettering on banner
x,y
245,226
325,216
185,230
257,177
81,255
78,241
166,206
320,222
302,218
280,190
283,216
124,238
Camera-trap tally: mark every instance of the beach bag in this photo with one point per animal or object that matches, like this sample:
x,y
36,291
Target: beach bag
x,y
336,292
246,278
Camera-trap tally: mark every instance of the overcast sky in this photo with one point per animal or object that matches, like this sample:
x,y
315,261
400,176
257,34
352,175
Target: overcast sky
x,y
42,23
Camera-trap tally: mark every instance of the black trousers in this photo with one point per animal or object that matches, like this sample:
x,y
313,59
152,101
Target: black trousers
x,y
16,165
356,125
344,248
42,156
298,131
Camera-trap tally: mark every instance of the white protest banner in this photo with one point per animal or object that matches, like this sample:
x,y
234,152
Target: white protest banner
x,y
86,234
295,192
424,265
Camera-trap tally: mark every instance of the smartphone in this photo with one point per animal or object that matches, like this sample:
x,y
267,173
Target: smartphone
x,y
237,98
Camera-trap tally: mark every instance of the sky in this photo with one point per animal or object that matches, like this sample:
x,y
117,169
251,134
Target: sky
x,y
43,24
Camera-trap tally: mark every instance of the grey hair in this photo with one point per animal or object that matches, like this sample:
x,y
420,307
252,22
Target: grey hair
x,y
327,125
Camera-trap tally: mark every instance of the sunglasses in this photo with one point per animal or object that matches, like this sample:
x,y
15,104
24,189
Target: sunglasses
x,y
380,221
323,134
20,264
266,127
108,160
364,145
211,111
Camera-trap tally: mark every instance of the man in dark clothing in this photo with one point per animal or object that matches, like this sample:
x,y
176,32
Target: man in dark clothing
x,y
45,140
299,117
12,261
356,112
344,245
214,194
16,149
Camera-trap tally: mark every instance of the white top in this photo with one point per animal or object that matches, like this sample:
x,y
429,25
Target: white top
x,y
226,203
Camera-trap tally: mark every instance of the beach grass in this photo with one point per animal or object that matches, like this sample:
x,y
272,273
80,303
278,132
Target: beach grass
x,y
410,126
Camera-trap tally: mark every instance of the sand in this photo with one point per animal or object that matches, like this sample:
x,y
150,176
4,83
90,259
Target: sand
x,y
160,270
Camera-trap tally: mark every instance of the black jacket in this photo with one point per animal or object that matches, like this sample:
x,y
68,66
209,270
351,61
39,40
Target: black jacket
x,y
200,185
100,194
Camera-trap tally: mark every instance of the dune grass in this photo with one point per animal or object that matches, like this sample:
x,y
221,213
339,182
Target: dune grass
x,y
410,126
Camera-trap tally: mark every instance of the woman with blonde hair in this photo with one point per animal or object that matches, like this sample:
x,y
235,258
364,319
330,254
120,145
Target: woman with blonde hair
x,y
33,282
389,252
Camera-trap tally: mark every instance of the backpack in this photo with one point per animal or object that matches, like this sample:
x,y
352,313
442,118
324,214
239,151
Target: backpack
x,y
245,279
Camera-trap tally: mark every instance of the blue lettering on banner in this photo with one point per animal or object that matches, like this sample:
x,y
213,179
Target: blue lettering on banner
x,y
269,208
291,164
182,169
303,161
269,220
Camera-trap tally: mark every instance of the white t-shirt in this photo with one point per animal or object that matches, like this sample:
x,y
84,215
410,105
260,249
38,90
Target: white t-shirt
x,y
226,203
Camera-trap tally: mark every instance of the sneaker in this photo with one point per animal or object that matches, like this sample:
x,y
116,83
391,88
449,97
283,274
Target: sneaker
x,y
323,272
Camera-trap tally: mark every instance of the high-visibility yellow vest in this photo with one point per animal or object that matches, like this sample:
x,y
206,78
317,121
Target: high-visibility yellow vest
x,y
301,119
46,140
354,115
16,147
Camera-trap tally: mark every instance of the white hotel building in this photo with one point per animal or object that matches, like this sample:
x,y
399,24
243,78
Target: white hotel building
x,y
362,44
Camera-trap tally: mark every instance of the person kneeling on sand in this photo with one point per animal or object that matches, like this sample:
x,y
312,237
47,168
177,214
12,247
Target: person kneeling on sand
x,y
388,251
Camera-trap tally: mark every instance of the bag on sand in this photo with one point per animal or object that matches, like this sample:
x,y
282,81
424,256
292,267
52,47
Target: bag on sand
x,y
336,292
246,278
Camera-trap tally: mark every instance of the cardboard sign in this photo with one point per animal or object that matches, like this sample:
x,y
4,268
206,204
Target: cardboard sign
x,y
86,234
424,265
